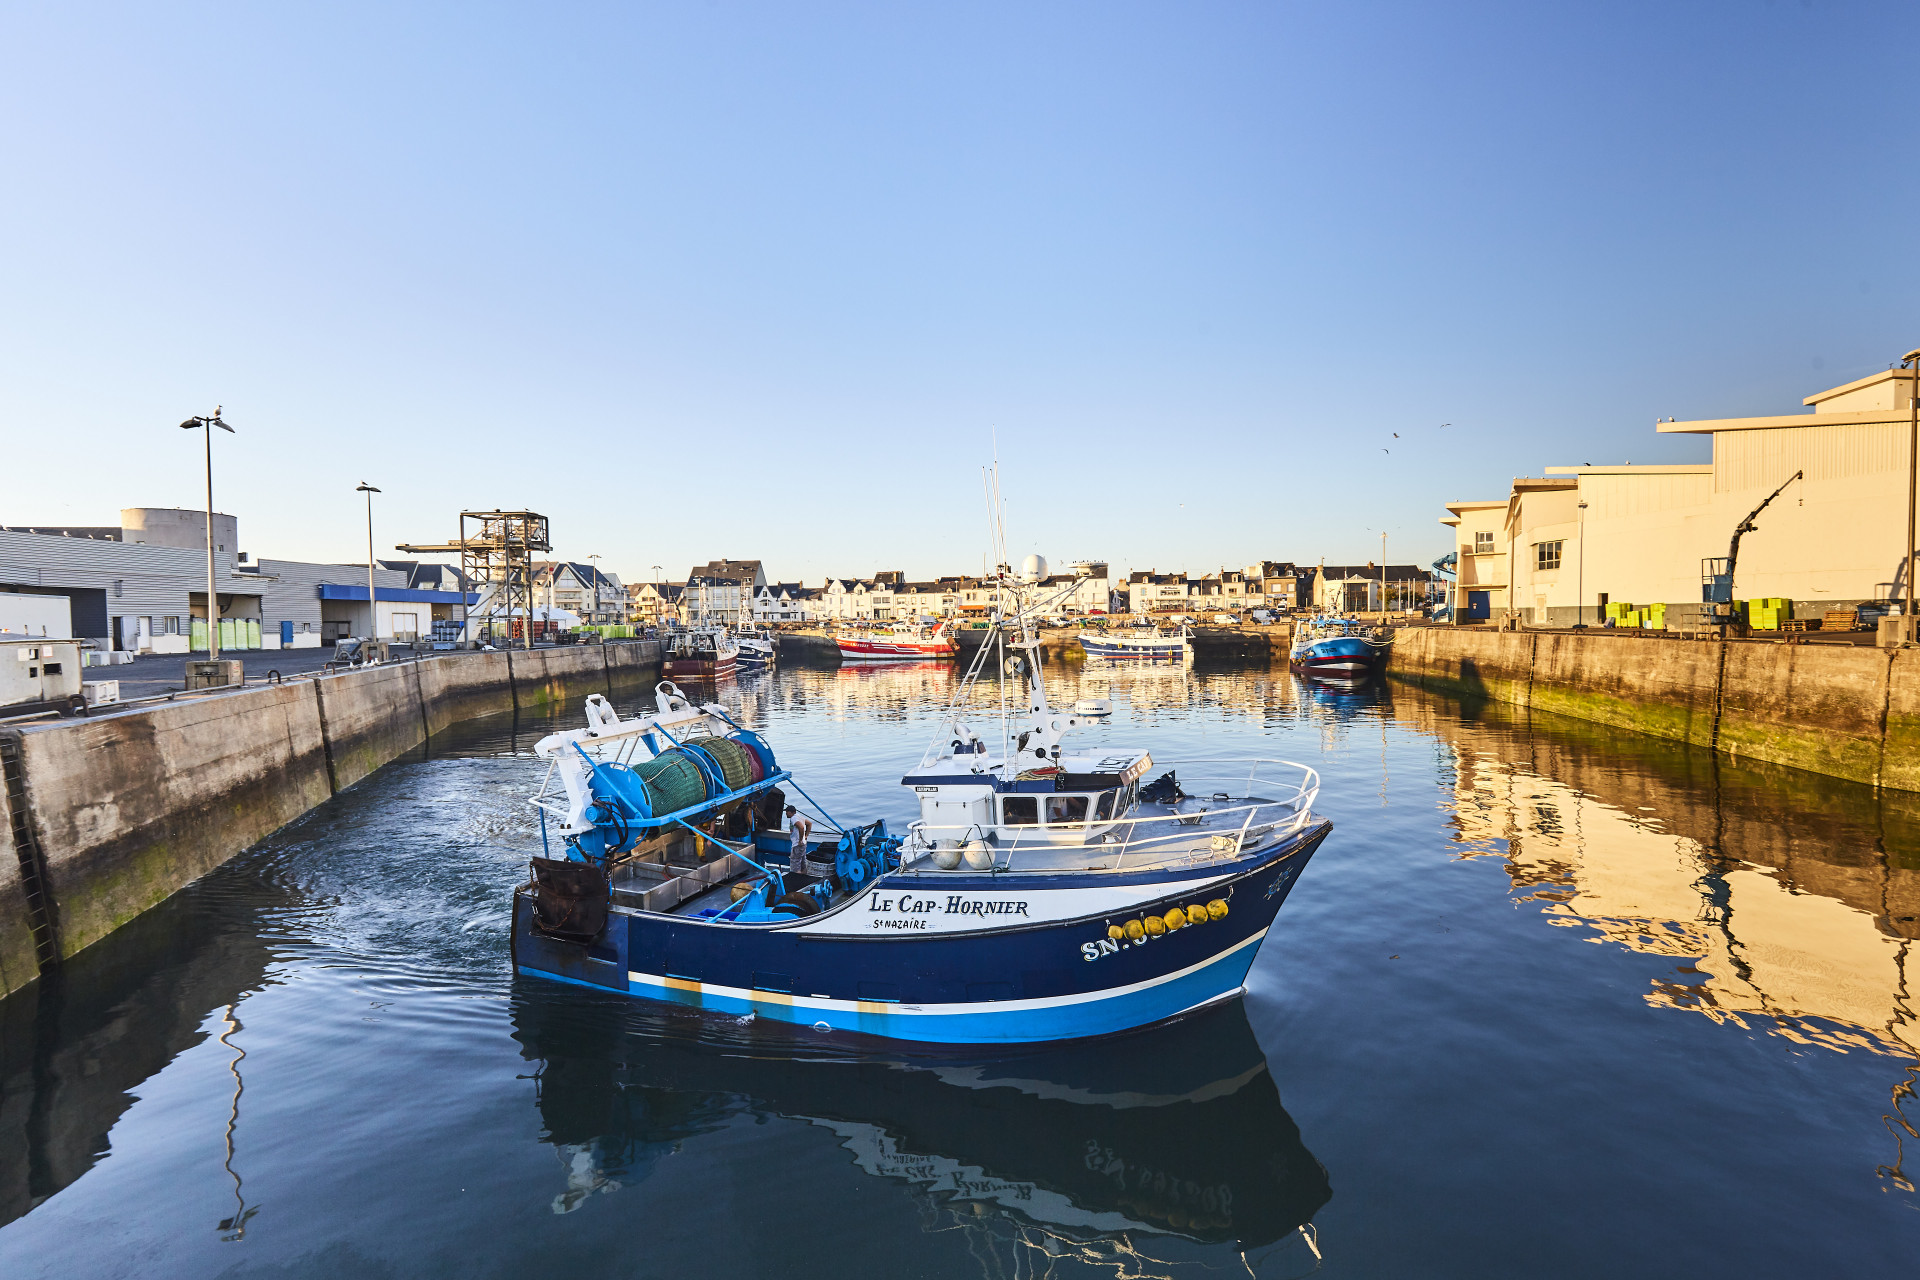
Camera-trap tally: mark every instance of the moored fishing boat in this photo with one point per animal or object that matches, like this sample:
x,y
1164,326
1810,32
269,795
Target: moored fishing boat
x,y
1337,645
756,647
705,653
1145,644
1048,891
901,641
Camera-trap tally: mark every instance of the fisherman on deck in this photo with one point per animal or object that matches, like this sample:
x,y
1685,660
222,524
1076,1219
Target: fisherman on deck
x,y
798,829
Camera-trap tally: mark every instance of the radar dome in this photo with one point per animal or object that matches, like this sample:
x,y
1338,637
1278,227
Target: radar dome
x,y
1033,568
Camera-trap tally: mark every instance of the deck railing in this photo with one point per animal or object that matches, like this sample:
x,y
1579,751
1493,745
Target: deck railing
x,y
1144,841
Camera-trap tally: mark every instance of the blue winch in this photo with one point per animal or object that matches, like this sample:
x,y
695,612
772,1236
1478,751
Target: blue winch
x,y
865,854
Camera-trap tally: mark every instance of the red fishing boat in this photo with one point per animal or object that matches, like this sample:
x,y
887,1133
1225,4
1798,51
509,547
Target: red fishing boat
x,y
904,641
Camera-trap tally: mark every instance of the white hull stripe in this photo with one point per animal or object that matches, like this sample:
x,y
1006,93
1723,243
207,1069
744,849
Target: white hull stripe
x,y
981,912
667,984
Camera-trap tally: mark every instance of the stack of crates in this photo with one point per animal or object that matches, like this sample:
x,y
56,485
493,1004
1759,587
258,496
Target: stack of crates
x,y
1647,617
1767,614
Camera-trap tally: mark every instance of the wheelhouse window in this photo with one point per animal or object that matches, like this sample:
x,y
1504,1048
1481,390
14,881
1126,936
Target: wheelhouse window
x,y
1546,555
1103,808
1066,810
1020,811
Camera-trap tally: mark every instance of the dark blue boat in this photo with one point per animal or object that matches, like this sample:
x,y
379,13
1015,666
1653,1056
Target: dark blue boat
x,y
1047,892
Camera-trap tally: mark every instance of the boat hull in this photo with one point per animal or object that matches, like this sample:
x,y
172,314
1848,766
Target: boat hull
x,y
890,971
894,651
1340,655
1171,649
704,668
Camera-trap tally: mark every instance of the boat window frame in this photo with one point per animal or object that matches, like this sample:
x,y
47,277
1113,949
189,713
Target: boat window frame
x,y
1067,797
1000,810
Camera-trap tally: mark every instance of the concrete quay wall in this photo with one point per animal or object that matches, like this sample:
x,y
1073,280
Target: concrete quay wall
x,y
1837,710
103,818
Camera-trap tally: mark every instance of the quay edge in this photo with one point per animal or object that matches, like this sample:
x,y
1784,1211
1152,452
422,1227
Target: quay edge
x,y
105,817
1839,710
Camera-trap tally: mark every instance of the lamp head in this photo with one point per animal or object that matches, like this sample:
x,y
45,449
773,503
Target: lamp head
x,y
191,423
1911,356
364,487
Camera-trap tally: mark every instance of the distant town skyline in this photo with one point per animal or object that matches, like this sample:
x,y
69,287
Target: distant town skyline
x,y
1213,284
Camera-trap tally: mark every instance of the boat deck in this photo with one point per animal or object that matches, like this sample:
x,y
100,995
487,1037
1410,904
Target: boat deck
x,y
1191,832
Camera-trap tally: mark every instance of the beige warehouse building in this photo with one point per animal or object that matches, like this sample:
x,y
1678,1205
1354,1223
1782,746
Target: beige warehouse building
x,y
1579,537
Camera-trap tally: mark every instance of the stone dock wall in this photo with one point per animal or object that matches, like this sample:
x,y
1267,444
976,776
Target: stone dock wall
x,y
1839,710
105,817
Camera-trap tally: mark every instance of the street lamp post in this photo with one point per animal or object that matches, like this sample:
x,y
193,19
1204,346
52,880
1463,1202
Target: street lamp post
x,y
1912,361
213,601
1580,605
373,610
1383,571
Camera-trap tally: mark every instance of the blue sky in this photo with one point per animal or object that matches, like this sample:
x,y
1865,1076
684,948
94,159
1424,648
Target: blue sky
x,y
770,280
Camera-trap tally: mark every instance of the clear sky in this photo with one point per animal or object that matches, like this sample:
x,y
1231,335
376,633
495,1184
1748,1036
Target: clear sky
x,y
768,280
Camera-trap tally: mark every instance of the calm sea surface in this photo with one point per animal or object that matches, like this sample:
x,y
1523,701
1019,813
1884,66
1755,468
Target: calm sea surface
x,y
1551,1000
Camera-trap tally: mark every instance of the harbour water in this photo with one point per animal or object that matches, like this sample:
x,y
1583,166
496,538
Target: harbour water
x,y
1552,999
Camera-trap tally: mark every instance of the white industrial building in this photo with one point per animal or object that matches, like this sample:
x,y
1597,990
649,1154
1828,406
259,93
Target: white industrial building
x,y
142,587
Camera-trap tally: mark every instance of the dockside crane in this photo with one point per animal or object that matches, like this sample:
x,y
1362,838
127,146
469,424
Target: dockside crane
x,y
1716,573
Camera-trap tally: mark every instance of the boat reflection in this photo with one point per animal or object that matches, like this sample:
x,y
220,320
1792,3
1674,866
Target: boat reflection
x,y
1331,689
1174,1132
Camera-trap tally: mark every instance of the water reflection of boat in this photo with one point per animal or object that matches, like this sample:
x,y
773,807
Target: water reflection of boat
x,y
1337,688
858,666
1174,1131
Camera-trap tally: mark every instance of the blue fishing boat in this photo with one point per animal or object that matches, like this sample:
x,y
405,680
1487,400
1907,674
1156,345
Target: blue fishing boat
x,y
1047,891
1337,645
1145,644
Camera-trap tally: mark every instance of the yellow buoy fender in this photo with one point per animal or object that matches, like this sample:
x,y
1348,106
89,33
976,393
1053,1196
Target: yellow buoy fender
x,y
1217,909
1135,930
1115,932
1155,926
1196,914
1176,919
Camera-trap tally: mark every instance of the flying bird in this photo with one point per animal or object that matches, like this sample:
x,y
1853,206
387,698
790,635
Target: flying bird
x,y
1445,425
1396,435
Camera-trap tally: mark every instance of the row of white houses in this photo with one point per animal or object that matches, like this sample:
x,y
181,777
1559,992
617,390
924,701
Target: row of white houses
x,y
737,591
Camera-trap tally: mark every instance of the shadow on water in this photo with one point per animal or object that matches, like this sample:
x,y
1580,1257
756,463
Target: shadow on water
x,y
1094,1149
74,1045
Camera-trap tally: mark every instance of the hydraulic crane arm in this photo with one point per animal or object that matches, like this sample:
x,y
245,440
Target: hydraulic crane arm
x,y
1747,526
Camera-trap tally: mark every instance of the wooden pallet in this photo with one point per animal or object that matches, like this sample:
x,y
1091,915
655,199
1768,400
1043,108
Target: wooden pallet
x,y
1841,620
1802,624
